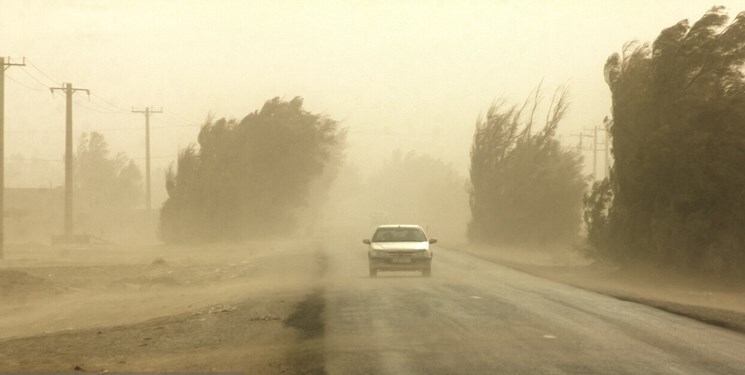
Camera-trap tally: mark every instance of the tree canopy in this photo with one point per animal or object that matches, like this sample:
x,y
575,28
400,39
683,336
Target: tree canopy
x,y
249,178
103,182
678,133
524,187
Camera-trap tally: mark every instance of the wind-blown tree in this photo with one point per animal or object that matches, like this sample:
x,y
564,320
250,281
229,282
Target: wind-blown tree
x,y
249,178
678,134
101,182
525,189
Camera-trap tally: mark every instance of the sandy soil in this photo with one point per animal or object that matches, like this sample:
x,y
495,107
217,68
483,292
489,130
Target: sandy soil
x,y
158,308
261,308
713,300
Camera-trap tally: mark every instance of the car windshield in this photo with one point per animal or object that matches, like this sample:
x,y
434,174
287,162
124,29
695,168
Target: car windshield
x,y
399,235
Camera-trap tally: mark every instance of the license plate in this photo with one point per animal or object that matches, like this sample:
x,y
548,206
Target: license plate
x,y
402,260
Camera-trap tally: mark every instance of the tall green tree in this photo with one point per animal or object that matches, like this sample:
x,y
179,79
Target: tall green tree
x,y
678,134
524,187
249,178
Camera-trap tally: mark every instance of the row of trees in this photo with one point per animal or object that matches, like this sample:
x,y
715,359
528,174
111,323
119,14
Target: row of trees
x,y
266,174
675,195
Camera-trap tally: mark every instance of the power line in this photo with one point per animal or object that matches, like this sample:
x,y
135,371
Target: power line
x,y
61,160
110,106
78,102
176,126
44,74
156,157
21,83
34,78
118,108
114,106
34,131
176,118
101,109
100,129
35,159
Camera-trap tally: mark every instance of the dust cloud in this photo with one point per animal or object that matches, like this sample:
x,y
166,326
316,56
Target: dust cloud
x,y
260,197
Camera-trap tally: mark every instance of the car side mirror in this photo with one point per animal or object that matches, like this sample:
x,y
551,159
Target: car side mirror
x,y
433,240
366,241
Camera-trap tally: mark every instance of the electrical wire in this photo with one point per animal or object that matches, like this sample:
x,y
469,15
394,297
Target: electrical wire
x,y
118,108
33,131
79,103
107,109
21,83
30,63
176,118
156,157
34,78
33,159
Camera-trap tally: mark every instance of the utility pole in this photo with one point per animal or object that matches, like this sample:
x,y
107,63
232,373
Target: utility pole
x,y
581,147
606,126
69,91
148,194
4,66
594,149
580,144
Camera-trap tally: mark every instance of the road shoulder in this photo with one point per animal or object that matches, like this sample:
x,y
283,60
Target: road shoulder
x,y
716,302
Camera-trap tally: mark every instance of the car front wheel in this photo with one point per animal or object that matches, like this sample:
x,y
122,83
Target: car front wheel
x,y
373,272
427,272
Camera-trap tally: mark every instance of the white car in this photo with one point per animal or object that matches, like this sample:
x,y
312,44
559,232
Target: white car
x,y
400,248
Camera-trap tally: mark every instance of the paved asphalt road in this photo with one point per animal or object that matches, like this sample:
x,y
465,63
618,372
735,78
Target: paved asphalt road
x,y
476,317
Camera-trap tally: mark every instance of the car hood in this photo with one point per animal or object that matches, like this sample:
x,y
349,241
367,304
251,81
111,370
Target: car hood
x,y
400,246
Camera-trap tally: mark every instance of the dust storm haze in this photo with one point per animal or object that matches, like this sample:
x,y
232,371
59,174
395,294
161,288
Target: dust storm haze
x,y
572,169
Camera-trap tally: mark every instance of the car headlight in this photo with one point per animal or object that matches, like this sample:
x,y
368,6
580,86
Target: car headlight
x,y
421,254
377,253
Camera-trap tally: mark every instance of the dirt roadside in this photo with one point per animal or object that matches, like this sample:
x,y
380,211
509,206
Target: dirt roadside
x,y
227,308
714,301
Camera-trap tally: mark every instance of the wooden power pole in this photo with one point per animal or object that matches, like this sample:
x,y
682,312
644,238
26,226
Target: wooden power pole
x,y
580,143
594,152
69,91
4,65
148,192
594,149
607,123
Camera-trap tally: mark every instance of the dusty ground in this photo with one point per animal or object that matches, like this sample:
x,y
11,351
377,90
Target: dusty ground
x,y
713,300
114,308
294,307
474,316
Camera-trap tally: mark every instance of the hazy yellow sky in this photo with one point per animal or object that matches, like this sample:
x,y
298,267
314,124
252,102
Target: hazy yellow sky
x,y
398,74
